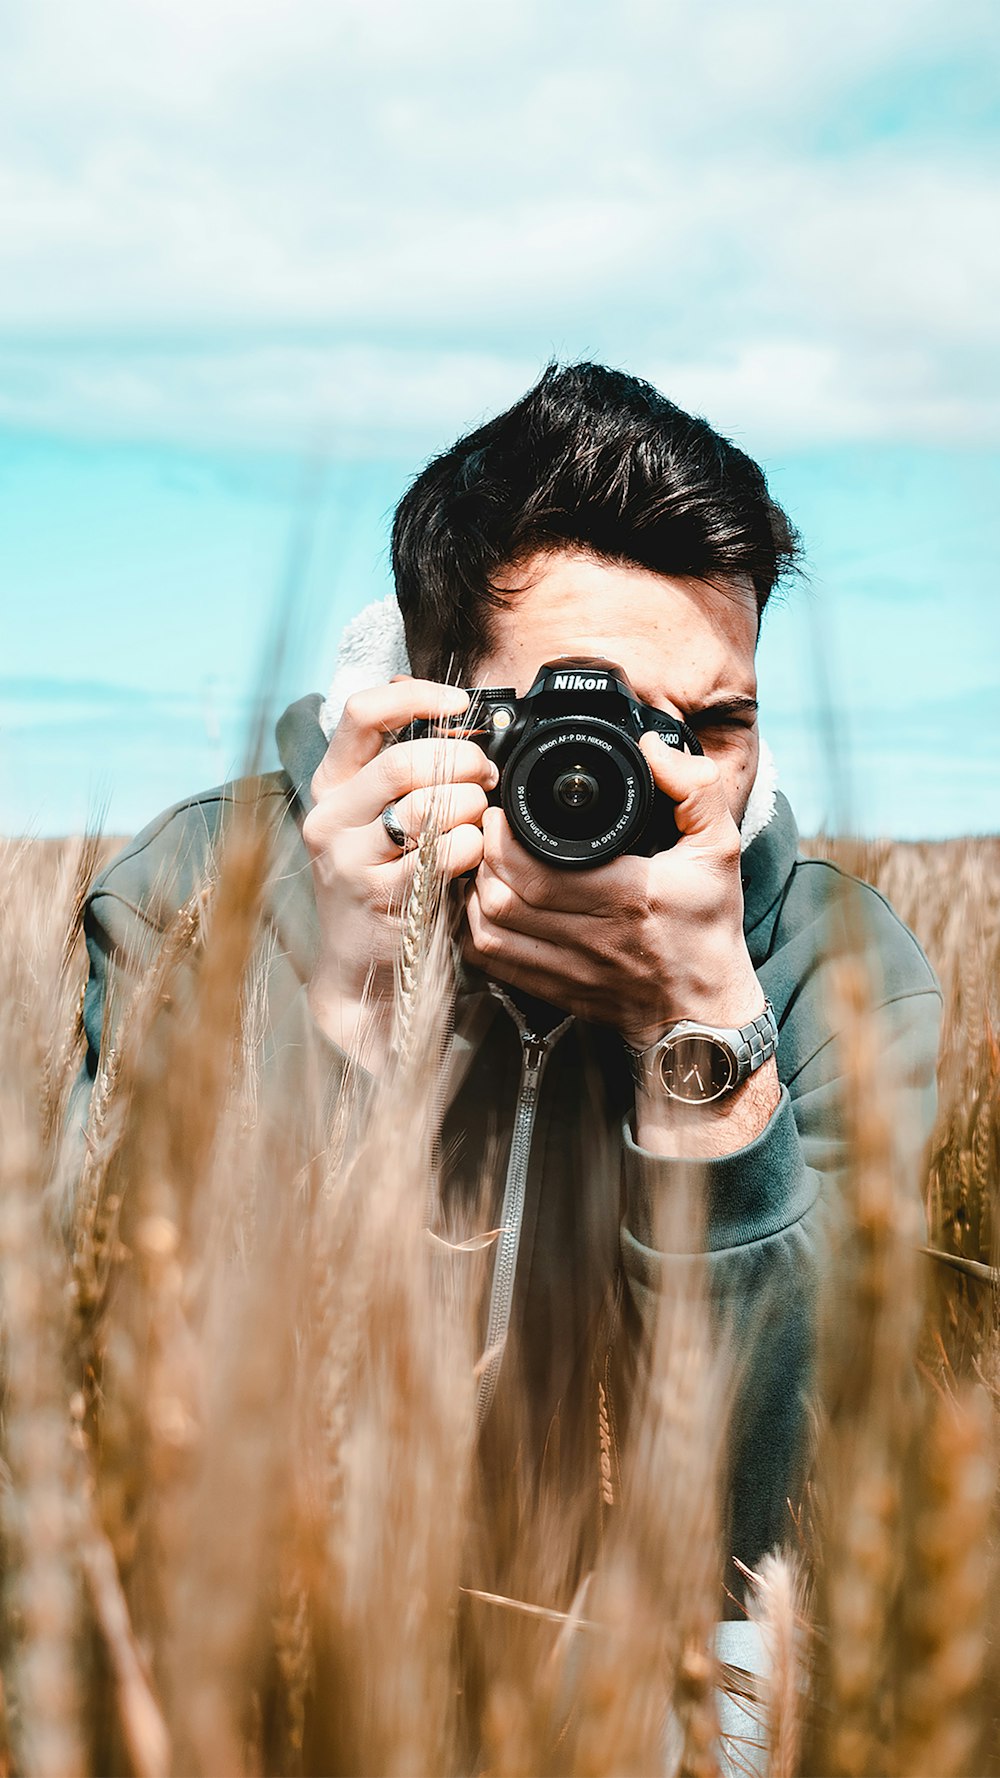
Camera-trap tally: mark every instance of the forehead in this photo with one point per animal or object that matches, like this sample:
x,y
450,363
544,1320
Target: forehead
x,y
678,640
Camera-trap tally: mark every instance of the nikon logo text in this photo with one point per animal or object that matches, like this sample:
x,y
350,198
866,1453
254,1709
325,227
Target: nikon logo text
x,y
579,682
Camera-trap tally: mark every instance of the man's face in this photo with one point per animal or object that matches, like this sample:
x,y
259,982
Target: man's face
x,y
687,647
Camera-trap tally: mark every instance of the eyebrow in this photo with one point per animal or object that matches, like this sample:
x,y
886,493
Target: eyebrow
x,y
718,712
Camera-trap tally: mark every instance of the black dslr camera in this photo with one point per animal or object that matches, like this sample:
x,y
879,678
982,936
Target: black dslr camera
x,y
573,782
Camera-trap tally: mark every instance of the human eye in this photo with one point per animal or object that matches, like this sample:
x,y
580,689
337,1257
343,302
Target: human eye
x,y
726,723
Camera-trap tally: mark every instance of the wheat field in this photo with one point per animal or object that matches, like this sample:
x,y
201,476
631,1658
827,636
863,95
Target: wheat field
x,y
241,1508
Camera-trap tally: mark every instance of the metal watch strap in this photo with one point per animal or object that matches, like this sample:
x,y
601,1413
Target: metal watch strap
x,y
752,1044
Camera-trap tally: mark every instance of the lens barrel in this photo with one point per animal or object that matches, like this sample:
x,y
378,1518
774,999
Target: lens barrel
x,y
577,792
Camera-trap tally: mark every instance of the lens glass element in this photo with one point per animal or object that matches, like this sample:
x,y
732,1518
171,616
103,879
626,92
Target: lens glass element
x,y
576,789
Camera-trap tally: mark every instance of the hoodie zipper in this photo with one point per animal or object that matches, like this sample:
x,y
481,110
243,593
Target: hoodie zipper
x,y
535,1052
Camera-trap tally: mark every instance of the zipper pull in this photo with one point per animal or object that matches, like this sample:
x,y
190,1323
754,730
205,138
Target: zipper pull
x,y
534,1052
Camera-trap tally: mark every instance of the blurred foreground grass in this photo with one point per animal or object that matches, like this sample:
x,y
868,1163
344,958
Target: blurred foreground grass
x,y
240,1496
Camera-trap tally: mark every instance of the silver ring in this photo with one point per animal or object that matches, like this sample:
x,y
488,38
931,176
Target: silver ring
x,y
393,829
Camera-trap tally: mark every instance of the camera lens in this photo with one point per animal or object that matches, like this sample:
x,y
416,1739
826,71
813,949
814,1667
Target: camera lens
x,y
577,793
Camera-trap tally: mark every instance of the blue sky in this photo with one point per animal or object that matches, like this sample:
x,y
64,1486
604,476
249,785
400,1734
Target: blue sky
x,y
257,262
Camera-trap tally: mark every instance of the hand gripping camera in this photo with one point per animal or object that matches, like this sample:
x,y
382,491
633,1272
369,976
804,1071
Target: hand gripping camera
x,y
574,785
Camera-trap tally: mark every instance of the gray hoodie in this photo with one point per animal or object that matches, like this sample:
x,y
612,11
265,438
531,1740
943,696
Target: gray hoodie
x,y
579,1262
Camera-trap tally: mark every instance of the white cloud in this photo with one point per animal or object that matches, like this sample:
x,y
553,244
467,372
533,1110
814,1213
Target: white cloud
x,y
358,399
337,400
780,392
241,218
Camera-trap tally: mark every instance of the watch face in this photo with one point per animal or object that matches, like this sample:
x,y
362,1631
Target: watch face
x,y
697,1069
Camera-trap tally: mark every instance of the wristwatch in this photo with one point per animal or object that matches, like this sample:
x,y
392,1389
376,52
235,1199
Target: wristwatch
x,y
700,1063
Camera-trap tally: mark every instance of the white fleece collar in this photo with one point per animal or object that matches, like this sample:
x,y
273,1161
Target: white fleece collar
x,y
373,648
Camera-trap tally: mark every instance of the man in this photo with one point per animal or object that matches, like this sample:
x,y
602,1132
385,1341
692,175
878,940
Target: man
x,y
596,520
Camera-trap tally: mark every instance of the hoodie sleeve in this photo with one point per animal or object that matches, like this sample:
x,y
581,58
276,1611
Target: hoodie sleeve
x,y
798,1160
773,1210
121,947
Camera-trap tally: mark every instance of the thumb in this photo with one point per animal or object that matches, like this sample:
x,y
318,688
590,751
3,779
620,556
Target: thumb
x,y
694,786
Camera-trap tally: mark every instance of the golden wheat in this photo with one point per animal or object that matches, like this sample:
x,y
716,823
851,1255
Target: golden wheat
x,y
245,1524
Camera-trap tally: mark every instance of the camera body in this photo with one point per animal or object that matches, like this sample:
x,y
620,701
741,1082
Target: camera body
x,y
574,784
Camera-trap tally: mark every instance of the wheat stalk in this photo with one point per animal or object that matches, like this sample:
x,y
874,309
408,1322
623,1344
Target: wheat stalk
x,y
777,1606
271,1367
949,1582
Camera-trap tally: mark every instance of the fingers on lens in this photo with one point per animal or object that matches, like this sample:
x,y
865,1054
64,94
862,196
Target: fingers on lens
x,y
369,716
389,706
445,805
459,850
416,764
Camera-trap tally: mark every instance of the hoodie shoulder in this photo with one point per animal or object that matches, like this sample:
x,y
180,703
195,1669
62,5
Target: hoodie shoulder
x,y
156,873
829,903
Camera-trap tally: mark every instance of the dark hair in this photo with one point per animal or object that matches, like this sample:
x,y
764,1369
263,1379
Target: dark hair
x,y
589,459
